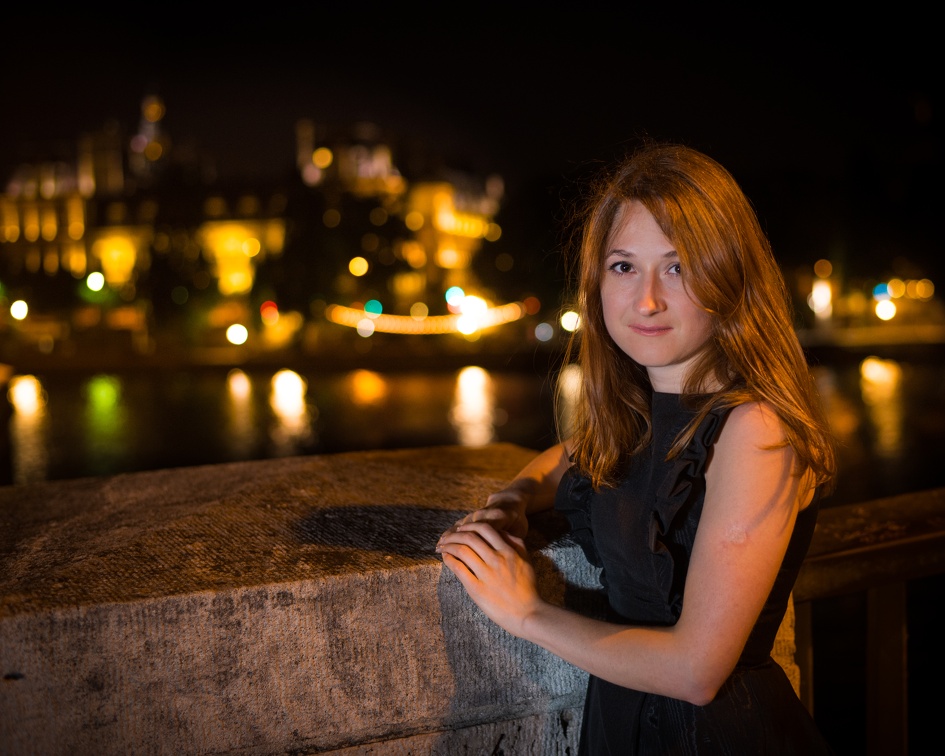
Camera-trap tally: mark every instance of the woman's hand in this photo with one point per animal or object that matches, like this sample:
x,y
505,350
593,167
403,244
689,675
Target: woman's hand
x,y
504,510
495,570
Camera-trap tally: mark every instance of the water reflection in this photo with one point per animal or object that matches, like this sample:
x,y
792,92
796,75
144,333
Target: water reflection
x,y
104,416
28,429
240,413
881,385
292,426
569,387
472,413
888,416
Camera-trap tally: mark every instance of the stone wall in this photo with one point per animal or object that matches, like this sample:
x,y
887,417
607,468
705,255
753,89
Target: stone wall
x,y
275,607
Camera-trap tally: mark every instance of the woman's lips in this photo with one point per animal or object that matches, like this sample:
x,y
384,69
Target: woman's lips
x,y
650,330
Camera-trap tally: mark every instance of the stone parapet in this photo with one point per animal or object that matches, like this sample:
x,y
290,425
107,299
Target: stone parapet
x,y
273,607
284,606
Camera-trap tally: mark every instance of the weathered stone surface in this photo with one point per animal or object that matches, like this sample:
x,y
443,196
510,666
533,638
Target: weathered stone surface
x,y
275,607
293,605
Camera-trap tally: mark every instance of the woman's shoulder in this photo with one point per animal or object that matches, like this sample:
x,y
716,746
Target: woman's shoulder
x,y
753,423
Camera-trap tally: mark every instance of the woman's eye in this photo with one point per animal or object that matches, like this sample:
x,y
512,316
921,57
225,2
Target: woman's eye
x,y
621,267
675,269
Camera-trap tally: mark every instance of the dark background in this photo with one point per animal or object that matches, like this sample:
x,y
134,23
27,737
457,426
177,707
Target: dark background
x,y
831,121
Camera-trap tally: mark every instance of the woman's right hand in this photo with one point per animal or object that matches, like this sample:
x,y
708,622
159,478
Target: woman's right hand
x,y
504,511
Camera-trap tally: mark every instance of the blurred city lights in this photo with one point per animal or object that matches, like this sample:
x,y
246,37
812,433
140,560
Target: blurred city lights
x,y
358,266
885,309
237,334
95,281
19,309
570,321
544,332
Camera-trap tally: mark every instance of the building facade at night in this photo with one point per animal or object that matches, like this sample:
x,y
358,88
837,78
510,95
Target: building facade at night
x,y
133,240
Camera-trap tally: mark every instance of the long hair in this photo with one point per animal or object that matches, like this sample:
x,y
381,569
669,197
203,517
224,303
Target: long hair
x,y
729,269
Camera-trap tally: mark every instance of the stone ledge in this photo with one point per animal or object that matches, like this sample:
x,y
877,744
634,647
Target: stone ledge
x,y
293,605
290,606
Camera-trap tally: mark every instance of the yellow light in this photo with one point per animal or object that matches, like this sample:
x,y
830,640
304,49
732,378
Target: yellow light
x,y
367,387
418,310
414,220
322,157
358,266
118,255
924,289
896,287
823,268
354,318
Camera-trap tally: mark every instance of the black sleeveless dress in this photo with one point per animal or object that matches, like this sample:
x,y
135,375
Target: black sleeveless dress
x,y
641,534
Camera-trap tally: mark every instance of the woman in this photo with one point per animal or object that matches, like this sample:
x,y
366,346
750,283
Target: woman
x,y
692,474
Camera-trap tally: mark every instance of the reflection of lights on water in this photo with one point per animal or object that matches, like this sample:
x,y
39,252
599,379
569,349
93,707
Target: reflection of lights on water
x,y
367,387
287,400
842,416
881,388
472,413
105,427
238,385
27,430
26,395
239,392
568,393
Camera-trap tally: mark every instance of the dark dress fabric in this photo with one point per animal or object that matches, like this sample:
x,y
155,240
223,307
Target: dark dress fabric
x,y
641,533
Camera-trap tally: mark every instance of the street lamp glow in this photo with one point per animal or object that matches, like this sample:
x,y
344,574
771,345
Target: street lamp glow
x,y
19,309
95,281
237,334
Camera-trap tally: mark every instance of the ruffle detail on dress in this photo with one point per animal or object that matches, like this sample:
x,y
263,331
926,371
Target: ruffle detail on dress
x,y
681,489
573,501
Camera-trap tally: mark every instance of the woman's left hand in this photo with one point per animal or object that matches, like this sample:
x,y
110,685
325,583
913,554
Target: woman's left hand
x,y
495,570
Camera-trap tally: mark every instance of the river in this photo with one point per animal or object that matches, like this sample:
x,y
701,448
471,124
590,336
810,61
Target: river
x,y
888,415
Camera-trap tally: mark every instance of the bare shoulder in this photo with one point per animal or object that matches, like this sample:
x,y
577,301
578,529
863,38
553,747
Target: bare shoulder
x,y
752,424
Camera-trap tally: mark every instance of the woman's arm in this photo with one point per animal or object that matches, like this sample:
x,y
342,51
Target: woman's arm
x,y
531,490
750,507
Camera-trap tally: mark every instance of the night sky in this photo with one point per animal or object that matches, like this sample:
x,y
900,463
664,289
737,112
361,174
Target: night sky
x,y
833,126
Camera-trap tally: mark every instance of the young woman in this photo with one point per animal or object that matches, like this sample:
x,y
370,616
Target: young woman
x,y
692,474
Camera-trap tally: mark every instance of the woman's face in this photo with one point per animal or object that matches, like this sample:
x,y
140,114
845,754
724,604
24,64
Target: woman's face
x,y
647,310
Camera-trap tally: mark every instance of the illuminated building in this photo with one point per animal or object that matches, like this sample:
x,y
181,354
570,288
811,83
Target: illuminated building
x,y
180,252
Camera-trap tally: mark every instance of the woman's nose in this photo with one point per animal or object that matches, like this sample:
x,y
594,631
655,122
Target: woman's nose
x,y
650,296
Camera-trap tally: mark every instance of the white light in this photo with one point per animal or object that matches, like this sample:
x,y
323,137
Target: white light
x,y
95,281
544,331
570,321
19,309
885,309
237,334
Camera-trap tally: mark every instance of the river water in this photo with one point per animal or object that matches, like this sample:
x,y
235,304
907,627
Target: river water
x,y
888,415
